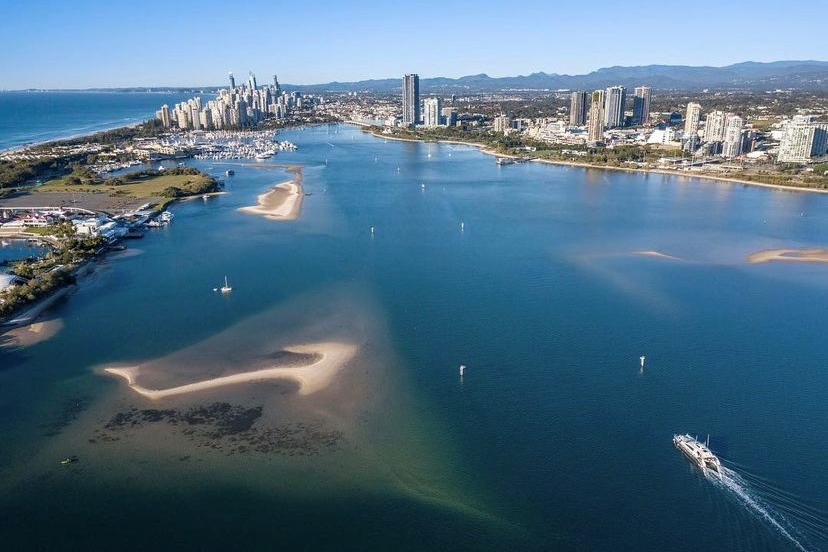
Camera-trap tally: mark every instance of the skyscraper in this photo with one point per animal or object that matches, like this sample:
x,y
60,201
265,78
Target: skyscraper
x,y
431,112
411,99
641,105
251,81
595,129
614,100
232,81
714,126
732,143
578,109
691,119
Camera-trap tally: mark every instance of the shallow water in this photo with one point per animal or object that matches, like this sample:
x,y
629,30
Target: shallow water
x,y
553,439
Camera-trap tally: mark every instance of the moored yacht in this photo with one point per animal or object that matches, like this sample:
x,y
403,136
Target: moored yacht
x,y
698,453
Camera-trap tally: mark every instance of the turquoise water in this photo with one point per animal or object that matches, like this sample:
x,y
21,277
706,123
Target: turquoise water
x,y
549,292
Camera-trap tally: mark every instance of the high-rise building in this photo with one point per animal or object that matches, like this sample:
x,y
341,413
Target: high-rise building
x,y
449,115
251,81
595,123
614,100
277,89
502,123
641,105
431,112
411,99
802,139
232,81
691,119
732,141
578,109
714,126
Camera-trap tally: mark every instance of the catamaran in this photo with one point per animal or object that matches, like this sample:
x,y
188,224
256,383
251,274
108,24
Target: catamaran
x,y
699,453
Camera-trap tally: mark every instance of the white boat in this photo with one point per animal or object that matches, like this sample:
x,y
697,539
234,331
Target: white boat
x,y
166,216
699,453
504,160
226,287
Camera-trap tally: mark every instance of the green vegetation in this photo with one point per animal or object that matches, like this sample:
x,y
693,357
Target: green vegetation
x,y
170,183
52,271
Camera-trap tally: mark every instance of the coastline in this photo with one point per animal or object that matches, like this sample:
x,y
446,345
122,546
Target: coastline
x,y
283,201
485,149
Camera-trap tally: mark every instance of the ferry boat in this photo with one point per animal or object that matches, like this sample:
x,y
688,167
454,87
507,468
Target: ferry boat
x,y
699,453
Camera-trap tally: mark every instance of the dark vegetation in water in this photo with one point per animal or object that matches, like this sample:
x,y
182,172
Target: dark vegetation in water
x,y
67,413
228,428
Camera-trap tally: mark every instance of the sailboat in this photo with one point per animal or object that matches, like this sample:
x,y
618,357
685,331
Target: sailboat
x,y
226,287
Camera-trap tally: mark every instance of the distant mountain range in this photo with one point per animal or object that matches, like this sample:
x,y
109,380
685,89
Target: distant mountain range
x,y
806,75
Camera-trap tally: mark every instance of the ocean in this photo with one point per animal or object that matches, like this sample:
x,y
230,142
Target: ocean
x,y
546,282
32,117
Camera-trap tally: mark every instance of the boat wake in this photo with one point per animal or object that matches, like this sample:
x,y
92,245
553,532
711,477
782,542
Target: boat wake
x,y
768,510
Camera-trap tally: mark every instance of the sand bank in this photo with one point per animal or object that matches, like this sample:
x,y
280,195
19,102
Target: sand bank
x,y
311,378
658,254
25,336
283,201
813,255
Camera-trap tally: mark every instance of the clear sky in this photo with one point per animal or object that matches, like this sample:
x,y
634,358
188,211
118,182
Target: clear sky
x,y
86,43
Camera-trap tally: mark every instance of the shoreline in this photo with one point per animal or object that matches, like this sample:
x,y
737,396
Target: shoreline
x,y
311,378
485,149
283,201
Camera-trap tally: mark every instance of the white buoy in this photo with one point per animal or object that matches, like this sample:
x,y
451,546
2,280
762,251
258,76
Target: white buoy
x,y
462,369
372,230
642,360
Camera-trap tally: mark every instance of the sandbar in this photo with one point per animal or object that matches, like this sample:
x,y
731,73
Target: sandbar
x,y
311,378
658,254
812,255
283,201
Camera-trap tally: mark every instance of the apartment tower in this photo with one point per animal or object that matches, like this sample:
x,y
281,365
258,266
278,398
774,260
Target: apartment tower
x,y
411,99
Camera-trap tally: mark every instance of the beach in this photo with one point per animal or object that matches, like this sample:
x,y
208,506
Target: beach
x,y
283,201
331,358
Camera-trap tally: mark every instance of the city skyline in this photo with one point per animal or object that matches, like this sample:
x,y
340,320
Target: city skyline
x,y
78,45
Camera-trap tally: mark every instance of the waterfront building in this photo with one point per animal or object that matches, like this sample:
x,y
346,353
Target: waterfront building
x,y
411,99
431,112
578,109
691,119
803,138
595,122
163,115
732,142
449,115
641,105
714,126
614,100
502,123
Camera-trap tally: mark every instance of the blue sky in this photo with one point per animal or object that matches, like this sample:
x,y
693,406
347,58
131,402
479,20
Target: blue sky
x,y
84,43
